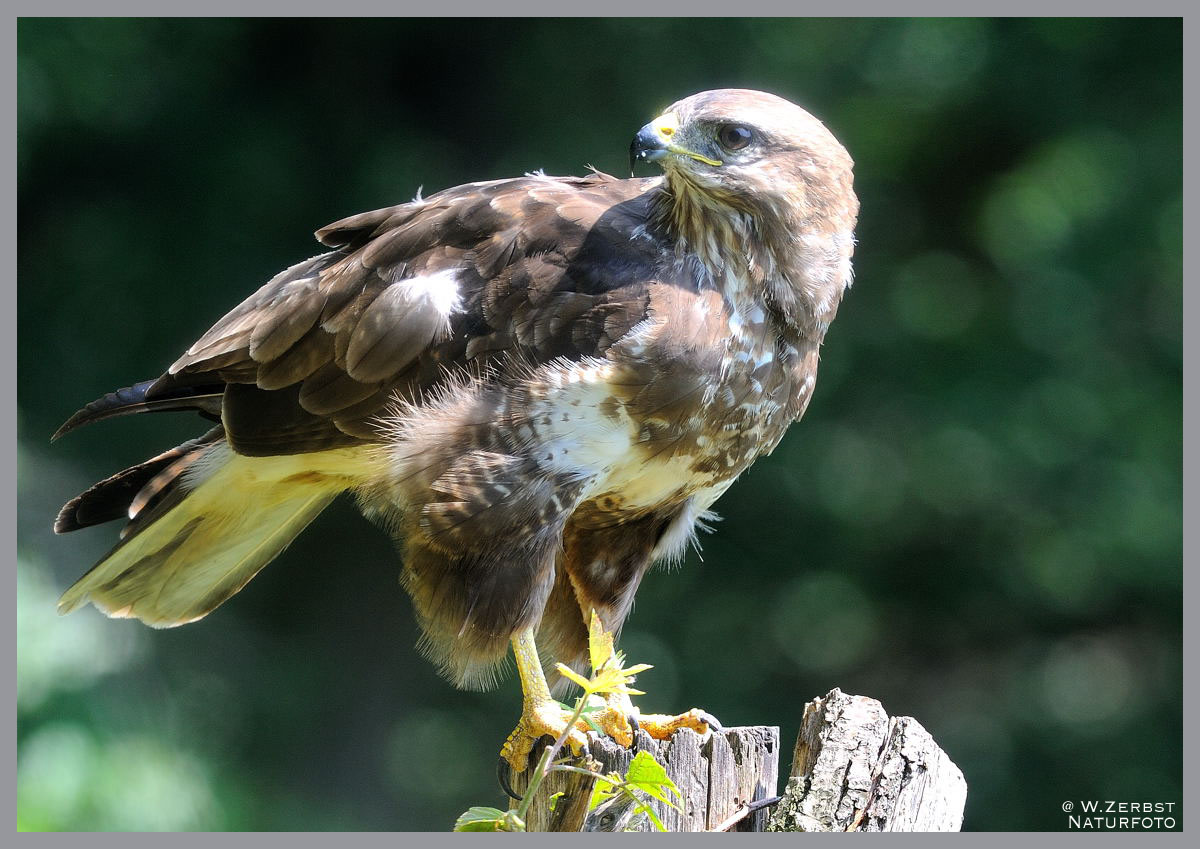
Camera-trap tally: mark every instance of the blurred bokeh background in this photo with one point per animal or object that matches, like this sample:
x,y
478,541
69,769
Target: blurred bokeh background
x,y
978,522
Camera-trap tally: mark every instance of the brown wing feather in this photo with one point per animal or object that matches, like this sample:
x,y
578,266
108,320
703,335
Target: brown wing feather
x,y
316,354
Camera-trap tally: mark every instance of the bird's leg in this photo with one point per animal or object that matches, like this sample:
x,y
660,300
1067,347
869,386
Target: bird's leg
x,y
541,714
619,710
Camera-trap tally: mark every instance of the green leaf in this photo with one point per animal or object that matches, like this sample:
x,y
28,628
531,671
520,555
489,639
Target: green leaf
x,y
481,818
645,769
603,790
654,790
553,800
649,776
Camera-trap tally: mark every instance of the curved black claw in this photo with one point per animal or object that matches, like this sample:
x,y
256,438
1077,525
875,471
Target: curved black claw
x,y
635,727
503,771
712,722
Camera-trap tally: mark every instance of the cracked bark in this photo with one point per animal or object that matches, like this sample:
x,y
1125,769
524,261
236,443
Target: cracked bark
x,y
854,768
857,769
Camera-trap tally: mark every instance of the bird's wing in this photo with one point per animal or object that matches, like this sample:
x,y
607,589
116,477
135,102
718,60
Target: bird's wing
x,y
480,276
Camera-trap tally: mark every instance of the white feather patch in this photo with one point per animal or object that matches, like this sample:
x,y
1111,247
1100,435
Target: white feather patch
x,y
439,289
682,531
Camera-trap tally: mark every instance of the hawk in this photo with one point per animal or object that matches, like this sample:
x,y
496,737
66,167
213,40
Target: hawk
x,y
539,386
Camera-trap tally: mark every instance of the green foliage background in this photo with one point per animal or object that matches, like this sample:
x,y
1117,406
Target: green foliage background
x,y
978,522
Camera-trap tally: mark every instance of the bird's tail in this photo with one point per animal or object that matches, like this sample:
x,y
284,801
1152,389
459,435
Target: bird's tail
x,y
204,521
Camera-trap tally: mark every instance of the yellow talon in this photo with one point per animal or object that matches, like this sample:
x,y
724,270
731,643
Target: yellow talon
x,y
542,716
661,726
537,721
614,719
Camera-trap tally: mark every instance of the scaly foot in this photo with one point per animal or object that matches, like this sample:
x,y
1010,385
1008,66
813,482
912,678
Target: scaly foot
x,y
542,716
541,719
620,718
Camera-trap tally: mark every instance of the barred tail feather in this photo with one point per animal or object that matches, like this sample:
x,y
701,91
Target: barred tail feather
x,y
227,517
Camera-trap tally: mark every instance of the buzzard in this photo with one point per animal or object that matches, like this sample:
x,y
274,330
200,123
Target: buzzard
x,y
539,386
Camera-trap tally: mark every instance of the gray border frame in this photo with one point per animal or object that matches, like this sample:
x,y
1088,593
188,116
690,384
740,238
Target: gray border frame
x,y
619,8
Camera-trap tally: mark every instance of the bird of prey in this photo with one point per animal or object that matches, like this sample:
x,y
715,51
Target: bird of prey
x,y
539,386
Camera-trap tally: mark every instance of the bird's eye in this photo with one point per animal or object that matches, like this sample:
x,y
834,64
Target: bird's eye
x,y
734,136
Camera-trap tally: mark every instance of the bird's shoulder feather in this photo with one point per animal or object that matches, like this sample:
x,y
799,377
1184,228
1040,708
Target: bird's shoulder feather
x,y
477,277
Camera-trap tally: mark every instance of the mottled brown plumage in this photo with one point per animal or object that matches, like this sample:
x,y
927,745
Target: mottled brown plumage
x,y
538,385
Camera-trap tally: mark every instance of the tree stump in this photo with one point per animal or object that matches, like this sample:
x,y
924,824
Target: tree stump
x,y
856,769
719,776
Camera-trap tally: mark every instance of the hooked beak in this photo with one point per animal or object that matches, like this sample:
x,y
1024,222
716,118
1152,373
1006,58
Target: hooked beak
x,y
655,140
647,146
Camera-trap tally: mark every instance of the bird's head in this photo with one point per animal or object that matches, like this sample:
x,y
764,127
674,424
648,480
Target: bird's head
x,y
746,165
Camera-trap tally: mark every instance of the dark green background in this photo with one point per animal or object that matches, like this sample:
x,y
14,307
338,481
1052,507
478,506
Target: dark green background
x,y
978,522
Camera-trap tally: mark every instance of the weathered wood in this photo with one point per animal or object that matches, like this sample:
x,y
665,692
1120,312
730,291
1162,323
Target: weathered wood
x,y
856,769
717,774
